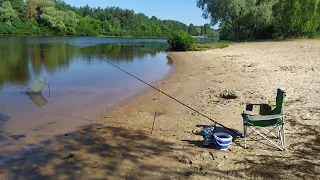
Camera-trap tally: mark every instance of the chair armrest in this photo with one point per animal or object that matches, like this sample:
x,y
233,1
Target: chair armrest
x,y
264,117
256,104
249,107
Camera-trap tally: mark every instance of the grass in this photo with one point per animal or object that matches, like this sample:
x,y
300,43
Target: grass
x,y
203,47
317,36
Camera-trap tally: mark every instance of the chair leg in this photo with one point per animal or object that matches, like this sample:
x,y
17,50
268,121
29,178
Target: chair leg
x,y
281,139
265,137
277,130
245,135
283,142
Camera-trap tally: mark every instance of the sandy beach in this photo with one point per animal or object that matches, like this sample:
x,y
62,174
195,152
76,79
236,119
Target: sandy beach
x,y
130,142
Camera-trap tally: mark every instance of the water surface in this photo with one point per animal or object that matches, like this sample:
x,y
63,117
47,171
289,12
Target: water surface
x,y
81,84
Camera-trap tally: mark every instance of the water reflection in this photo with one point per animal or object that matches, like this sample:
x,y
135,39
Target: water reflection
x,y
38,99
169,61
13,63
50,56
122,52
22,61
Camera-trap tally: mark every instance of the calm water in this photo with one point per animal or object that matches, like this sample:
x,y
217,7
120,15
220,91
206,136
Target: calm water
x,y
81,85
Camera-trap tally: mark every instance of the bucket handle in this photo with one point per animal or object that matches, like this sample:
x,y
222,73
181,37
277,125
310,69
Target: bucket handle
x,y
222,144
217,137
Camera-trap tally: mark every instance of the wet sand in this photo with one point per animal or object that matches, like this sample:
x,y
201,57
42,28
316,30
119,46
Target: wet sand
x,y
129,142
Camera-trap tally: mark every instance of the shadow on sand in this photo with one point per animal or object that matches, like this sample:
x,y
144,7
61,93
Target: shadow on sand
x,y
199,143
301,158
94,152
110,152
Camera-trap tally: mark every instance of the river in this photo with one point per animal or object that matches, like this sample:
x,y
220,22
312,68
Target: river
x,y
81,84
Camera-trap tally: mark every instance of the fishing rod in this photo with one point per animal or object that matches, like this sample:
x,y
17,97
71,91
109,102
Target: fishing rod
x,y
159,90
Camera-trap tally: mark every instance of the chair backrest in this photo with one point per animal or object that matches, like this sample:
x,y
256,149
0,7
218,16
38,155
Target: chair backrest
x,y
37,85
279,102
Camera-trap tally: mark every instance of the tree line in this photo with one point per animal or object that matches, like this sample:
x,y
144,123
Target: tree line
x,y
263,19
55,17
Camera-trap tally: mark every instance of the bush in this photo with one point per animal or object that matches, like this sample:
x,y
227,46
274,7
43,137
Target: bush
x,y
27,28
181,41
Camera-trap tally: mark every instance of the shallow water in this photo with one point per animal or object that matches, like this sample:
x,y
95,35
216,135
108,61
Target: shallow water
x,y
81,84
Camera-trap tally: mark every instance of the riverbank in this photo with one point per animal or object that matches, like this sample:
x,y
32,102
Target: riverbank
x,y
129,143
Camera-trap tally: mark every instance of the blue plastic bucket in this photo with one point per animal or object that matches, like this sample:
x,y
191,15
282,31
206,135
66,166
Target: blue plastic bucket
x,y
223,140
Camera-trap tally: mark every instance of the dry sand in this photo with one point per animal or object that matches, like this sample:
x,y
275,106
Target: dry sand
x,y
121,143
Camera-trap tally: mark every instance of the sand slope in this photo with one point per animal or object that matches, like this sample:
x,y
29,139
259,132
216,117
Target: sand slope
x,y
127,143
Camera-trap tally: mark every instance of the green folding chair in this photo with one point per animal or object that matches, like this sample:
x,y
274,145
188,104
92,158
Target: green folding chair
x,y
272,123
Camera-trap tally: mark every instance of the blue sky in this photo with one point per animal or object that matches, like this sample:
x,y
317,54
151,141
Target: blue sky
x,y
185,11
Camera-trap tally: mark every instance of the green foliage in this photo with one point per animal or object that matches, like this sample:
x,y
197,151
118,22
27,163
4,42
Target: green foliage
x,y
225,32
88,26
48,17
260,19
240,19
193,30
7,13
70,21
19,6
28,28
52,17
181,41
297,17
5,29
63,22
209,32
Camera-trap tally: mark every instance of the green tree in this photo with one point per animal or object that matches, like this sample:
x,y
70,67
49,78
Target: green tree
x,y
257,19
64,22
53,17
244,17
70,21
88,26
206,29
19,6
192,30
85,11
225,31
7,13
297,17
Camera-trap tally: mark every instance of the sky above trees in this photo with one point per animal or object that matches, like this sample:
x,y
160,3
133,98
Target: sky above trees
x,y
185,11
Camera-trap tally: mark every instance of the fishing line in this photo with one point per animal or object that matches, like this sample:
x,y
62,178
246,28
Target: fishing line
x,y
234,131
